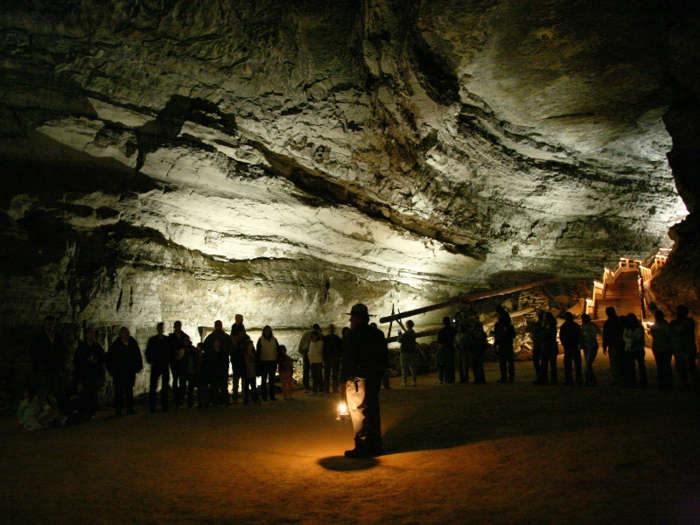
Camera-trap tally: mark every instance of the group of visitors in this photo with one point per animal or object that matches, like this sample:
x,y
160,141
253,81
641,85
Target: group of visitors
x,y
624,343
321,357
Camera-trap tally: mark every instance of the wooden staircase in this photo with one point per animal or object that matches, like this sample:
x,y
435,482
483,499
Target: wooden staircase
x,y
624,288
624,294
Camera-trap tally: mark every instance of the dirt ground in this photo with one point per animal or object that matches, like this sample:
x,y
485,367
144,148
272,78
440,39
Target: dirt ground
x,y
497,453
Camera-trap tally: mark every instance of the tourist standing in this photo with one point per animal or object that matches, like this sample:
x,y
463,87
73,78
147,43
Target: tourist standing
x,y
123,362
684,348
304,353
662,348
550,348
446,339
614,345
409,348
589,345
48,354
462,343
89,360
286,372
176,339
221,357
633,335
504,334
159,355
266,353
332,352
316,360
570,335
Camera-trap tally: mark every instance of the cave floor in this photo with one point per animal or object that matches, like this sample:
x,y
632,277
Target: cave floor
x,y
505,454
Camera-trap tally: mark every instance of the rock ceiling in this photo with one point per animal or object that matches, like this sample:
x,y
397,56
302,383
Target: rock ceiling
x,y
430,143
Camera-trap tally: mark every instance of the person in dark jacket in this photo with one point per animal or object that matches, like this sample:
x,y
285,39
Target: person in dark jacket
x,y
504,334
185,367
219,379
176,340
614,345
205,381
89,360
158,355
364,360
238,361
332,352
684,348
47,354
570,335
446,341
123,362
550,348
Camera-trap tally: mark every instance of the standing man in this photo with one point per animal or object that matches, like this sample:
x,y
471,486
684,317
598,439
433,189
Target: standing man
x,y
614,345
304,352
47,354
364,360
446,340
409,347
158,355
570,335
123,362
684,349
177,351
332,352
89,360
223,354
503,336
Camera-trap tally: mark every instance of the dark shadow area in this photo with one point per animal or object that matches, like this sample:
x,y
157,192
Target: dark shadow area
x,y
343,464
477,413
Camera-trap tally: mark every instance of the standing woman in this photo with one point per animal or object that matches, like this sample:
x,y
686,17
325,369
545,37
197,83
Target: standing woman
x,y
266,356
503,335
589,345
550,348
316,360
634,351
663,350
123,362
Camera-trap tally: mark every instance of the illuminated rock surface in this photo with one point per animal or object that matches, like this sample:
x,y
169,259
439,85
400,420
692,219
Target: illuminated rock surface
x,y
284,160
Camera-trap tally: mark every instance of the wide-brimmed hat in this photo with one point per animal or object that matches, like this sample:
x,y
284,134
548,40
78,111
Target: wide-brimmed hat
x,y
359,309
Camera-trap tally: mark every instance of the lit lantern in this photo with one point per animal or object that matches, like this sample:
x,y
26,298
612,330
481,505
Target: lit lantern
x,y
342,411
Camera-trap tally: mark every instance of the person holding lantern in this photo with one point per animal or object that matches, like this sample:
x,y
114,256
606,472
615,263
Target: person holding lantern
x,y
363,362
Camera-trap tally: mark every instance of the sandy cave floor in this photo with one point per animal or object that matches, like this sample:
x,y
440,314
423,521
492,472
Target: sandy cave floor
x,y
507,454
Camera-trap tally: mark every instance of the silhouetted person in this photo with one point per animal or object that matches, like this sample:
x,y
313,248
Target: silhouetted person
x,y
409,349
589,345
536,330
662,347
477,350
332,352
462,345
221,356
238,358
633,336
386,383
550,348
614,345
446,340
684,349
570,335
123,362
176,340
364,359
89,360
158,355
304,353
504,334
48,354
266,353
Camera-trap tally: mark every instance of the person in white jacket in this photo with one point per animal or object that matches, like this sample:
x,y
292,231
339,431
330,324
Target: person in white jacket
x,y
316,361
266,363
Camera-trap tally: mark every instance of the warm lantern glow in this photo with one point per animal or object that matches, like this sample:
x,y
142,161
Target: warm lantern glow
x,y
343,412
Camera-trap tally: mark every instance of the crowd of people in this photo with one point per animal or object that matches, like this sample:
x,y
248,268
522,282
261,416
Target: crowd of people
x,y
205,368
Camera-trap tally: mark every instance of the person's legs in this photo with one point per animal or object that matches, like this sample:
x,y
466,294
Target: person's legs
x,y
271,371
404,368
363,404
568,361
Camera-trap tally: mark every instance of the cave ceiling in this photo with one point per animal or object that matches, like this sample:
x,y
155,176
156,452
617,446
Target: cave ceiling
x,y
437,141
